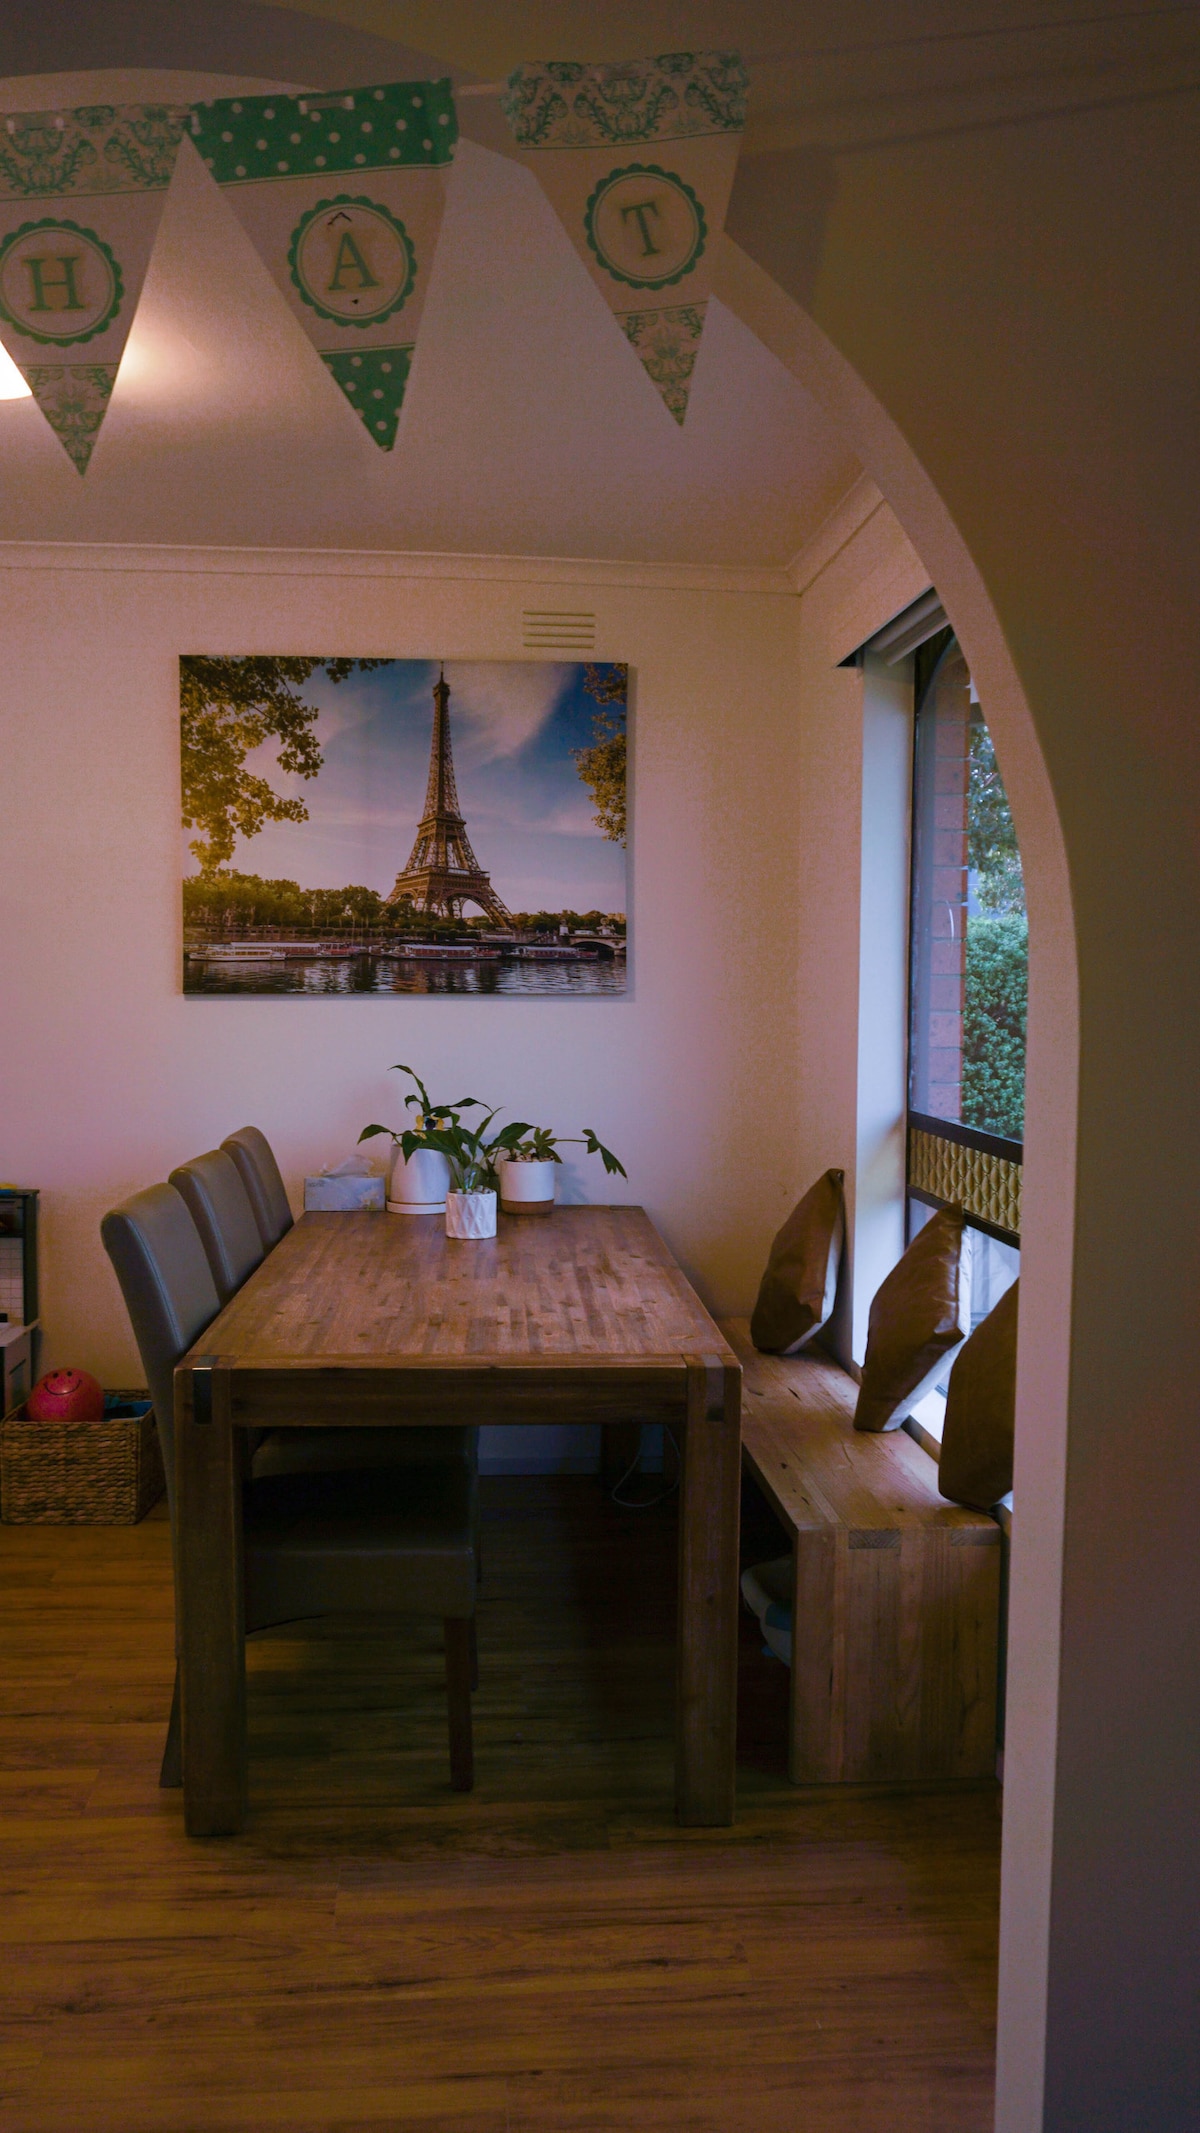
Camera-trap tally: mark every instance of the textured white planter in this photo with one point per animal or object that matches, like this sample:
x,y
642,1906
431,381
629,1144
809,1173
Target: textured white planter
x,y
419,1186
470,1214
527,1188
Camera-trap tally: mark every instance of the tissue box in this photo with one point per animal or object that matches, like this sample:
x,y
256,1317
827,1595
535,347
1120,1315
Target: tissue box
x,y
343,1196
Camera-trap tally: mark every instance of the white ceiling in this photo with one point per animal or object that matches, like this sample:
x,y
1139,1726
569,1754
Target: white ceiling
x,y
529,426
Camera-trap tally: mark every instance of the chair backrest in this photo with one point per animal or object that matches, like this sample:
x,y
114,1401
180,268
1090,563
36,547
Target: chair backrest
x,y
259,1173
219,1206
169,1294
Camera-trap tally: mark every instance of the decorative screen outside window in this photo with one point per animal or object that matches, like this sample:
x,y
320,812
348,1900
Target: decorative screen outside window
x,y
968,979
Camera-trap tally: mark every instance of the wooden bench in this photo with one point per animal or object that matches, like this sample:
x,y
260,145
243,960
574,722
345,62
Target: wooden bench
x,y
895,1592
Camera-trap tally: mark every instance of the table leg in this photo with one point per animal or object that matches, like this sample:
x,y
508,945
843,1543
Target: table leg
x,y
706,1696
212,1625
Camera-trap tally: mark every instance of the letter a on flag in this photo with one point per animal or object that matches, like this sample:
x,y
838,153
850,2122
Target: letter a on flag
x,y
341,197
638,158
81,195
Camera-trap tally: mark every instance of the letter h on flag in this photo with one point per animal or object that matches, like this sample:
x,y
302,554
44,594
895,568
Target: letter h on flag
x,y
81,197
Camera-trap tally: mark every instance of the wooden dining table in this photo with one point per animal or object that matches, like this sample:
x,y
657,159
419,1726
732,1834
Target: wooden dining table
x,y
374,1319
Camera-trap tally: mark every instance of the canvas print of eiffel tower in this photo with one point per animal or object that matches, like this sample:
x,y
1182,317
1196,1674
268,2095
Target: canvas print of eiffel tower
x,y
392,826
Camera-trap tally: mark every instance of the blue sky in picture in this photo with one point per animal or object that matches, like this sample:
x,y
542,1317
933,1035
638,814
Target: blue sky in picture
x,y
528,814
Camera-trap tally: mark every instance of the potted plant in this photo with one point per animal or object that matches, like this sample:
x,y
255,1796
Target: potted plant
x,y
526,1169
421,1171
472,1158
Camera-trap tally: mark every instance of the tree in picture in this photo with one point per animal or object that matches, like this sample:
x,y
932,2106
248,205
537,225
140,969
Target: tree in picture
x,y
997,953
228,708
602,766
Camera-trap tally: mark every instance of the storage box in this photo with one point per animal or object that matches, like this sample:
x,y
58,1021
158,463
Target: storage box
x,y
106,1473
343,1196
16,1365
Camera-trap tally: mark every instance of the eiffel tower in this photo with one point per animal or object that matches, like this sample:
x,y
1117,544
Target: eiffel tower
x,y
443,873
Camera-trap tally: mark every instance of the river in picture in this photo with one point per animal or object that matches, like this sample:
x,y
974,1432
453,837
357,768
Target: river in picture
x,y
505,977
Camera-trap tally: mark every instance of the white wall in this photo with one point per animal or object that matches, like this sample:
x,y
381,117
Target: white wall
x,y
881,1159
111,1076
726,1078
858,572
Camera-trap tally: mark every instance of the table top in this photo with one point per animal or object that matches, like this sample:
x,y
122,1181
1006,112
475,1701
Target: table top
x,y
585,1284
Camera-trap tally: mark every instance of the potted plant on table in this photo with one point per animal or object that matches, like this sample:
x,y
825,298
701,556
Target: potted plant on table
x,y
421,1171
526,1170
474,1166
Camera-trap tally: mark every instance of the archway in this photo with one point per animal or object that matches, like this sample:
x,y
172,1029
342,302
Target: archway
x,y
1047,1237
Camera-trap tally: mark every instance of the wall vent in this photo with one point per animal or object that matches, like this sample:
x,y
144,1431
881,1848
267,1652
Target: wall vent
x,y
546,629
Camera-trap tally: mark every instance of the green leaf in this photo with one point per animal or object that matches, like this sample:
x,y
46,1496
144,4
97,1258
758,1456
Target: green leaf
x,y
596,1147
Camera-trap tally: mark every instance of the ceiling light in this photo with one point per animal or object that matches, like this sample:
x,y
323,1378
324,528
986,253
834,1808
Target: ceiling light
x,y
12,384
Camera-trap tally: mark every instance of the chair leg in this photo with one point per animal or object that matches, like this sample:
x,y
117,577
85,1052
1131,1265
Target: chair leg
x,y
458,1700
171,1773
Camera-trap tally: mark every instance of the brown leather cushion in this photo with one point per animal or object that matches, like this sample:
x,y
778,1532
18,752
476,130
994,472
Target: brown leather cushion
x,y
918,1315
796,1293
977,1442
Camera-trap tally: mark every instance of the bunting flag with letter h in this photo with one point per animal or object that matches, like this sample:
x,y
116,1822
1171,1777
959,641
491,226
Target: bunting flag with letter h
x,y
638,159
341,197
81,196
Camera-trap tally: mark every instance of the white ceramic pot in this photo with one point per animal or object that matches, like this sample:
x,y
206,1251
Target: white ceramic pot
x,y
527,1188
419,1186
470,1214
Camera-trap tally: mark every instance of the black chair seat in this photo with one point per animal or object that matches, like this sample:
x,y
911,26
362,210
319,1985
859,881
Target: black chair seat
x,y
329,1451
349,1543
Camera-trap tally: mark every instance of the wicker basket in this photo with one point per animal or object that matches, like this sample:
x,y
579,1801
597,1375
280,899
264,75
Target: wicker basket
x,y
105,1473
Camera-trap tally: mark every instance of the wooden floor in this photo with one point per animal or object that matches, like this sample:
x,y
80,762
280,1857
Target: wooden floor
x,y
550,1952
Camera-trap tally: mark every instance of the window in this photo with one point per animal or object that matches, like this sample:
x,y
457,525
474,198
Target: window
x,y
968,983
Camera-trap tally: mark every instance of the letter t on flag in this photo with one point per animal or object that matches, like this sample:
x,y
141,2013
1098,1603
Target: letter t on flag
x,y
341,197
638,158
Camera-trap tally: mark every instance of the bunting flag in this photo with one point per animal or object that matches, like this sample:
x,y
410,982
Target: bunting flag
x,y
81,195
638,158
341,197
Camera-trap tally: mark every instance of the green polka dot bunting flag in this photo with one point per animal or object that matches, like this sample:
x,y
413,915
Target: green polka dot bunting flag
x,y
81,194
342,198
637,158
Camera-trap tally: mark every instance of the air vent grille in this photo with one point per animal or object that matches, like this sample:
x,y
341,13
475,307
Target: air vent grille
x,y
558,629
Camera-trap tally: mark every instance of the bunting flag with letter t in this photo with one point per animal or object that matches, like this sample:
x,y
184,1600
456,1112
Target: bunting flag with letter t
x,y
81,195
342,197
638,159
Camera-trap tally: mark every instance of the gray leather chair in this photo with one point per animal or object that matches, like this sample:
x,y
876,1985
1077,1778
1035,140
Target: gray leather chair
x,y
217,1200
400,1540
259,1173
219,1205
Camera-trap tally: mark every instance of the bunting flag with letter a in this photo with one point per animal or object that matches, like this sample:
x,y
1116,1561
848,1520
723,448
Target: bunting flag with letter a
x,y
341,197
638,159
81,195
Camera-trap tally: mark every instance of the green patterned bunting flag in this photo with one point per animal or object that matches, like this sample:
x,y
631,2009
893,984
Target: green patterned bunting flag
x,y
81,193
342,198
638,158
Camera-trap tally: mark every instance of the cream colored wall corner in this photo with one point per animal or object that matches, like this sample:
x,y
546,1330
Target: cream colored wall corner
x,y
695,1077
858,570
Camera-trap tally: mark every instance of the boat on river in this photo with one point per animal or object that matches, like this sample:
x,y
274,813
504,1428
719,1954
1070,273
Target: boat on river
x,y
444,952
237,952
562,952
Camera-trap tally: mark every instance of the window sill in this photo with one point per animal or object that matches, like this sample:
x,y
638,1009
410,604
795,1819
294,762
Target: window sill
x,y
925,1425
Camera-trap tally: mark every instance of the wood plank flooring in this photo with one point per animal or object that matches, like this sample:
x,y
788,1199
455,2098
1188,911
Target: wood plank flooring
x,y
548,1953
